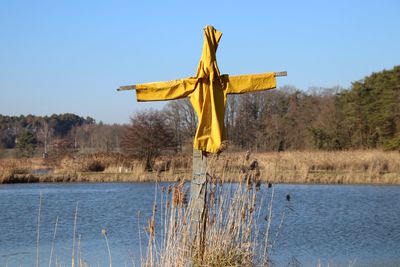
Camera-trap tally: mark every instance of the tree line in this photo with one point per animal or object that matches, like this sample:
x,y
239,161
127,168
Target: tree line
x,y
57,134
366,115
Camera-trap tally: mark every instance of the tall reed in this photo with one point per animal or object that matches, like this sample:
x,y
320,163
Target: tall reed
x,y
73,237
38,230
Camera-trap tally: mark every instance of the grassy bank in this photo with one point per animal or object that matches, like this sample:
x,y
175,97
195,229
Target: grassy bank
x,y
339,167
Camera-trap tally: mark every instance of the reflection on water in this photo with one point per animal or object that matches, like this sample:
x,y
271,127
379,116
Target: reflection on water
x,y
333,225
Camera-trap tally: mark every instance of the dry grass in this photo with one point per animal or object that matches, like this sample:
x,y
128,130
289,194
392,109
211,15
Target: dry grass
x,y
118,168
339,167
342,167
335,167
97,167
10,168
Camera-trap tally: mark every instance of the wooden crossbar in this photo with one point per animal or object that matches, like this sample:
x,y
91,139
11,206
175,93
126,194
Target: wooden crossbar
x,y
280,73
127,87
133,87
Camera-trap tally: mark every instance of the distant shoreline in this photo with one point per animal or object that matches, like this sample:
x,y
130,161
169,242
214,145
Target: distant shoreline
x,y
100,179
361,167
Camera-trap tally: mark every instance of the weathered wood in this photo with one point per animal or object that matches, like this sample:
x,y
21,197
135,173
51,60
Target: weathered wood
x,y
198,190
126,88
280,73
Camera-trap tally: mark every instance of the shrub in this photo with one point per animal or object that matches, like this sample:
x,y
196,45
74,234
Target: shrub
x,y
95,166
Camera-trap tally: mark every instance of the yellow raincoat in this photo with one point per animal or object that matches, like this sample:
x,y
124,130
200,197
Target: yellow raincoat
x,y
207,92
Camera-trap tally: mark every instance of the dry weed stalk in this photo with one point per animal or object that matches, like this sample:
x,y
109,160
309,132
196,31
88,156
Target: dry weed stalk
x,y
52,243
74,235
104,233
38,230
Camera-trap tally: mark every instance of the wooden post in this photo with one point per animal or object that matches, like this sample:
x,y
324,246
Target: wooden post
x,y
198,190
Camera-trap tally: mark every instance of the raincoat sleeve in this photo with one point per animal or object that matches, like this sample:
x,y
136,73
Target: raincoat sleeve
x,y
159,91
249,83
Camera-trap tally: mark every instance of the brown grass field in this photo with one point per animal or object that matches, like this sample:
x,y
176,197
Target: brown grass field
x,y
311,167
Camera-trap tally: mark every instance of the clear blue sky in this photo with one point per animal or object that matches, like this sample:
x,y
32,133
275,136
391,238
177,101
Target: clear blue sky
x,y
70,56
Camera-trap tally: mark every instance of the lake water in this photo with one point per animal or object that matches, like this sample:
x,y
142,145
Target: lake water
x,y
336,225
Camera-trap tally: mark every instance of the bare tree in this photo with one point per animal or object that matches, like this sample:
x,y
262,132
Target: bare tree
x,y
147,136
44,134
182,119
